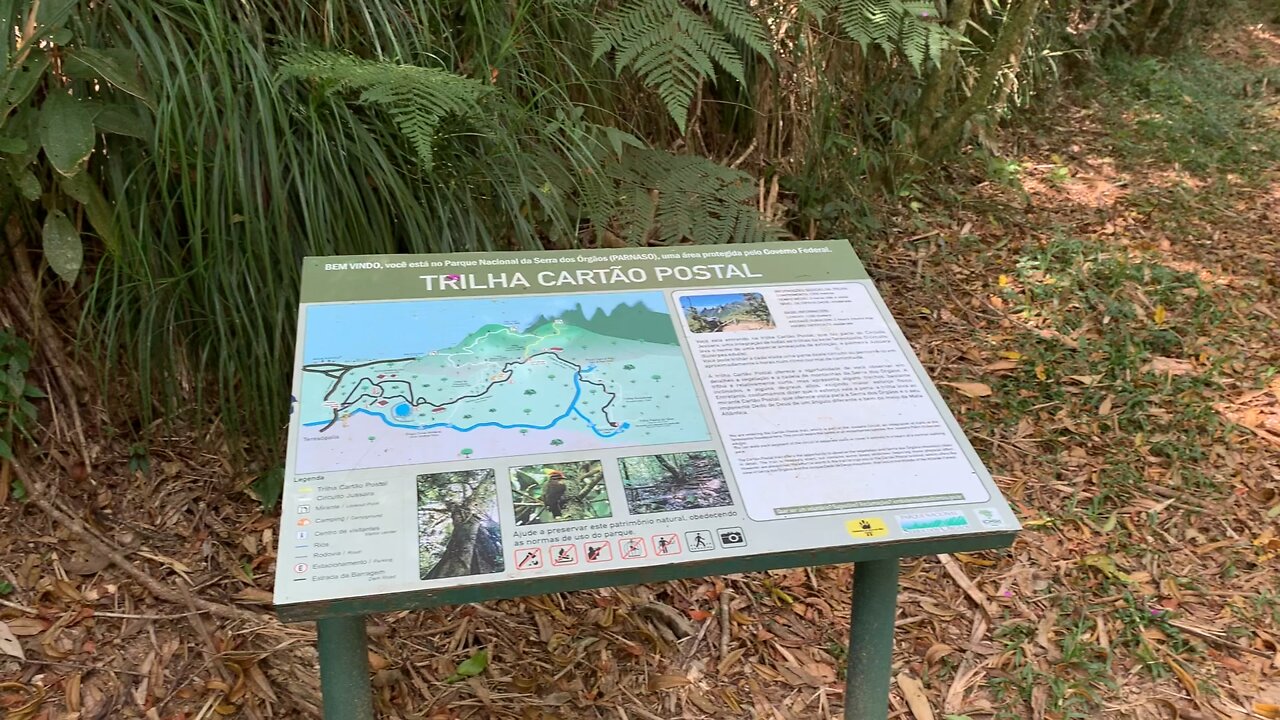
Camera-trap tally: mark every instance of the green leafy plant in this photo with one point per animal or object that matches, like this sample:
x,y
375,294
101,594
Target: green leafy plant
x,y
269,486
673,49
654,196
417,98
57,95
910,25
17,414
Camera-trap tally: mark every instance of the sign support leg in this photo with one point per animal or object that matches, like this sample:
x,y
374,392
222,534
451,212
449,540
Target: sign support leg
x,y
875,600
344,668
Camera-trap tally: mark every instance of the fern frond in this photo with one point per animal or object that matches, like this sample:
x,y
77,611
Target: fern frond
x,y
742,25
672,49
416,98
908,25
677,198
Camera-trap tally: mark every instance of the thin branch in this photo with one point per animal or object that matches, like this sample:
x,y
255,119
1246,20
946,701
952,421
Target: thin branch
x,y
39,495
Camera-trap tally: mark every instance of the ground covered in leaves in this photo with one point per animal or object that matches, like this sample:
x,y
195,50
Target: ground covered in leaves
x,y
1105,302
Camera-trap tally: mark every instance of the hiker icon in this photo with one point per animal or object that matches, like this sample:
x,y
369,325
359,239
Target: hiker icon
x,y
699,541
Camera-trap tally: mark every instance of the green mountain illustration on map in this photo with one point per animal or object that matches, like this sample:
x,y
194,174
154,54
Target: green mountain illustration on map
x,y
559,383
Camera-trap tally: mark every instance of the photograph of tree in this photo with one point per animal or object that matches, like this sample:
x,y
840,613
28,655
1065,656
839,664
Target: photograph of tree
x,y
727,312
458,528
674,481
559,492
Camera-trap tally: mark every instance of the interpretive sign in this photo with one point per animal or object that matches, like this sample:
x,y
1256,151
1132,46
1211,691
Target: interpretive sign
x,y
499,419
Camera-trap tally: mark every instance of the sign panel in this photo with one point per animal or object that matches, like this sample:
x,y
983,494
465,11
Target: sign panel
x,y
491,418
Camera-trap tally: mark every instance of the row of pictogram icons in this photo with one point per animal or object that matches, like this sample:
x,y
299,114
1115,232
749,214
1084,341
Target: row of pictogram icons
x,y
629,548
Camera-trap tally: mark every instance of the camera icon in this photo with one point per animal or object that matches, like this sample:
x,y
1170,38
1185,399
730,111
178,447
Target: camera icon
x,y
731,537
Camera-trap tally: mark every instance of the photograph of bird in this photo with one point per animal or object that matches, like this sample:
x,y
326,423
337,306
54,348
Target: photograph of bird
x,y
553,493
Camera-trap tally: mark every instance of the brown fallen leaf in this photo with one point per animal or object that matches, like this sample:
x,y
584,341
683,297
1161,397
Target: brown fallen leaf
x,y
254,595
972,389
1267,710
666,682
1085,380
9,644
913,693
85,564
1169,366
25,627
936,652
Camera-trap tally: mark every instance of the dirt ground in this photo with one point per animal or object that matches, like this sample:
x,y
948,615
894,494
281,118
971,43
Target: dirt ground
x,y
1109,314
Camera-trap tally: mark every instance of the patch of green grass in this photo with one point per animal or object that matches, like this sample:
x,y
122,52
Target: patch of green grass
x,y
1072,675
1095,319
1190,109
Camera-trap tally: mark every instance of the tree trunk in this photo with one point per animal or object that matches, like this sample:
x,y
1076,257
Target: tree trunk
x,y
927,111
675,472
458,552
1009,44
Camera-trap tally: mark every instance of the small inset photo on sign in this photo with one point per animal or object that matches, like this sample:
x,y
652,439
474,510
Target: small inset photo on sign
x,y
458,528
674,481
726,312
559,492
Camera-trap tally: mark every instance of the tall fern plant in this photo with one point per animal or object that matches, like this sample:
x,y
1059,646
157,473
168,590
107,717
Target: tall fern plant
x,y
674,48
263,155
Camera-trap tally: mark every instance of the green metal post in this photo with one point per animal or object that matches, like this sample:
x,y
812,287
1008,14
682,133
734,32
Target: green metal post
x,y
344,668
875,600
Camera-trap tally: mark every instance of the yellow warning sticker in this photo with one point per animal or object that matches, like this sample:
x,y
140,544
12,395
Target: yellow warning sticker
x,y
867,527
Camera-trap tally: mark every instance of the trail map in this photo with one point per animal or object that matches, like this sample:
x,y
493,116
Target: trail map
x,y
476,424
413,382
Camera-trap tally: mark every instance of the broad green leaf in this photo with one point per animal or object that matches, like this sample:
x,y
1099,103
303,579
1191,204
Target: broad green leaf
x,y
26,182
25,79
12,145
470,667
618,138
66,132
62,246
24,124
85,191
123,120
52,13
268,487
99,210
6,453
116,67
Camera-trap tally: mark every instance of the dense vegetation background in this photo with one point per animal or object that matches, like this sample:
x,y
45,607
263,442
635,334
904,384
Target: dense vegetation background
x,y
164,166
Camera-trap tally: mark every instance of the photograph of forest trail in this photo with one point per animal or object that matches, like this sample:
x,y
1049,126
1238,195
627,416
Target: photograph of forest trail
x,y
458,528
674,481
560,492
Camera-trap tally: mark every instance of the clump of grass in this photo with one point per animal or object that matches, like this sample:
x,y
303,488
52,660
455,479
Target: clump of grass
x,y
1191,110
